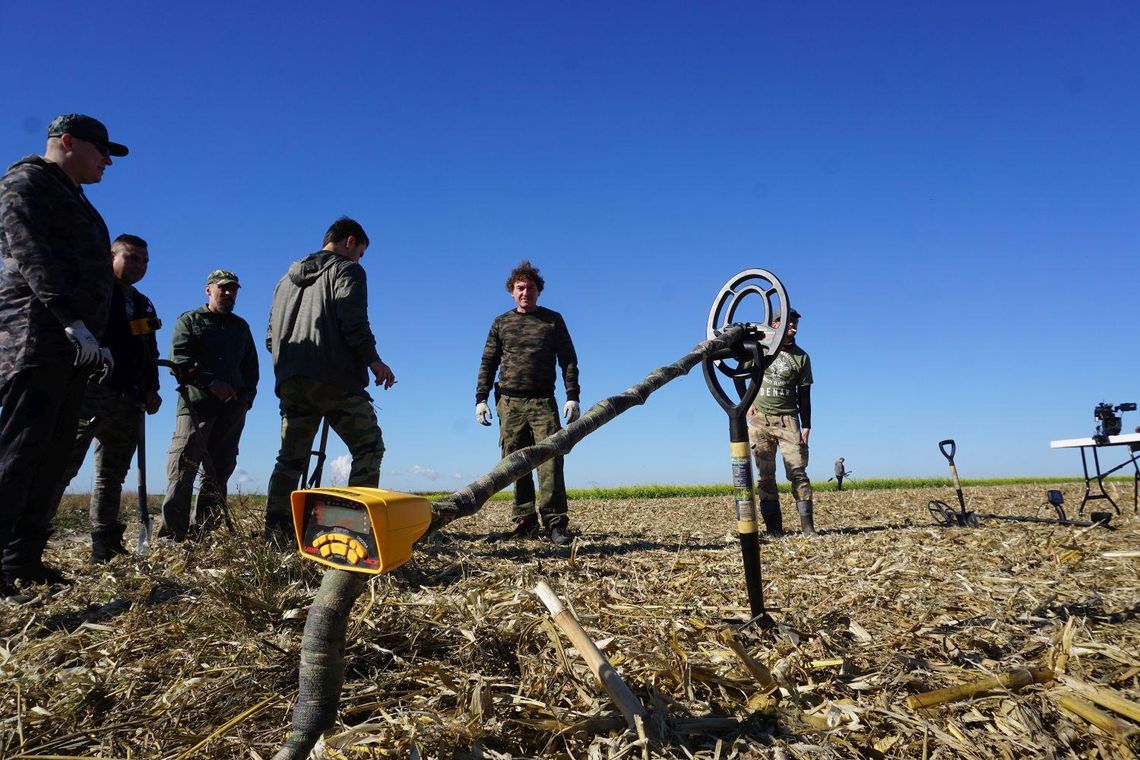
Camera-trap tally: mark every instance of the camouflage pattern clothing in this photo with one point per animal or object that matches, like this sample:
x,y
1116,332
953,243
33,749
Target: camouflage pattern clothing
x,y
775,421
110,410
523,422
765,433
221,347
57,266
112,420
304,402
322,346
524,349
57,269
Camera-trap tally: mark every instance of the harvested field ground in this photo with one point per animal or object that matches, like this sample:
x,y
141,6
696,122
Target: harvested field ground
x,y
193,651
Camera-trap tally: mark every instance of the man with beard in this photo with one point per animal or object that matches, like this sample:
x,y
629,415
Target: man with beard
x,y
214,351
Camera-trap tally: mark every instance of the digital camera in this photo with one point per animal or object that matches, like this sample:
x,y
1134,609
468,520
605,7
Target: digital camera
x,y
1108,421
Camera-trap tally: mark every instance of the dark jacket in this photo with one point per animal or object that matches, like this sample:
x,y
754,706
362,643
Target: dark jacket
x,y
318,323
135,373
57,265
220,347
523,348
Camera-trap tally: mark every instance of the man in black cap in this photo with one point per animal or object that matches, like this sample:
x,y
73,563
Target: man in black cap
x,y
55,294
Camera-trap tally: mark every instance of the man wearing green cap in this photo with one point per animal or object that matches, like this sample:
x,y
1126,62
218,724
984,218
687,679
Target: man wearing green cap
x,y
214,350
55,295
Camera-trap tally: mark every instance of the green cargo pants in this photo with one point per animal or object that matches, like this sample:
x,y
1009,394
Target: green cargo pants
x,y
304,402
522,422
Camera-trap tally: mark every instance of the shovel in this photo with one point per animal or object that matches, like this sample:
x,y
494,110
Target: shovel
x,y
939,510
143,545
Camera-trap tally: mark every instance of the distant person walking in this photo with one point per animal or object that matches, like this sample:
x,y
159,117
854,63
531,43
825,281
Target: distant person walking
x,y
218,346
781,416
111,409
523,347
55,294
323,349
840,473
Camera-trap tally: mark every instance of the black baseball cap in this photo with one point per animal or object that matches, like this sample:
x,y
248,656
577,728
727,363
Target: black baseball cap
x,y
85,128
792,315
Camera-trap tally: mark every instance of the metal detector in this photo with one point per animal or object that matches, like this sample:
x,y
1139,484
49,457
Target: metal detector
x,y
744,364
946,517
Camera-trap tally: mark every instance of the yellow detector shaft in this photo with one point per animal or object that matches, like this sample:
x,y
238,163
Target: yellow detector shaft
x,y
362,530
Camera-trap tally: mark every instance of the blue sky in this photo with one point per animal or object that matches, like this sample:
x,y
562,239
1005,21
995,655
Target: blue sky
x,y
947,192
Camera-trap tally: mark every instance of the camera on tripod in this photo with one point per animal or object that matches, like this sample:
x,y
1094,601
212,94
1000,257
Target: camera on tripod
x,y
1108,421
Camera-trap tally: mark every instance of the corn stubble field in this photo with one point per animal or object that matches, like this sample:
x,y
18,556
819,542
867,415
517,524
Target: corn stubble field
x,y
193,651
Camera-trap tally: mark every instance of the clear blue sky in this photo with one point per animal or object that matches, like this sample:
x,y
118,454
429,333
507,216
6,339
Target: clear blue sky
x,y
949,193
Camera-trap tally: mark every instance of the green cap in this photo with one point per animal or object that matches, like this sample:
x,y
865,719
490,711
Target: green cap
x,y
85,128
221,277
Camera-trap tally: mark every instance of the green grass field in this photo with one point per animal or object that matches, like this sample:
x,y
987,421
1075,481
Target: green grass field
x,y
661,491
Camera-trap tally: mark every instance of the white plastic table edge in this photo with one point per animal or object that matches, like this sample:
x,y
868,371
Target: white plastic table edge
x,y
1113,440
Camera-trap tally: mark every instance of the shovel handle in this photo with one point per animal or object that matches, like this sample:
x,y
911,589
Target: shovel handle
x,y
948,454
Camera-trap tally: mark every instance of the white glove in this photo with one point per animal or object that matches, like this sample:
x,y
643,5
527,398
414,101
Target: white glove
x,y
107,361
571,411
87,348
483,413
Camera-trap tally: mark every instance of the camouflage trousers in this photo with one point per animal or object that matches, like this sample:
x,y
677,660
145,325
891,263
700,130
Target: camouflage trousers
x,y
765,433
112,420
212,435
39,409
304,402
522,422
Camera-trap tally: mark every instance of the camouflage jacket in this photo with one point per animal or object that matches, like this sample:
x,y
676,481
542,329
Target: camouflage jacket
x,y
523,348
318,323
221,347
57,265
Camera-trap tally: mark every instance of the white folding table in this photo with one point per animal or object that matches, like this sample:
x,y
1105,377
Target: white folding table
x,y
1131,440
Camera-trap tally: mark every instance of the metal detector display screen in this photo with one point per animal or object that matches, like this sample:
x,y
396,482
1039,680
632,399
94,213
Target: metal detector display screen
x,y
339,531
354,518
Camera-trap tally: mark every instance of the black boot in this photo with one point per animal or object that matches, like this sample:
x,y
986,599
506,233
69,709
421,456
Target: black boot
x,y
279,533
807,523
107,543
30,569
773,519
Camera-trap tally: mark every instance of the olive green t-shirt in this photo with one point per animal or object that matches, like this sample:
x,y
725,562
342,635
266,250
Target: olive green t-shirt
x,y
779,390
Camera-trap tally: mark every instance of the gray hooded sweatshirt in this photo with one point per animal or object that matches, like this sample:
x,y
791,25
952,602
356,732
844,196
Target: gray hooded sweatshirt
x,y
318,324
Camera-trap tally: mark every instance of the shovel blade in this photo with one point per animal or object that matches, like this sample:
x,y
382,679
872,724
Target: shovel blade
x,y
142,548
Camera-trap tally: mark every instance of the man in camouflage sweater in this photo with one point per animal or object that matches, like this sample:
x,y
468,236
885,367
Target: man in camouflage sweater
x,y
323,349
781,416
55,293
217,347
523,346
111,409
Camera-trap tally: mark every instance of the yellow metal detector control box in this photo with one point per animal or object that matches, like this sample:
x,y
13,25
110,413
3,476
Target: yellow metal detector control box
x,y
362,530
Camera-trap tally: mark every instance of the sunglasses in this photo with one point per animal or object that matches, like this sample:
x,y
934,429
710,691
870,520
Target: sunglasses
x,y
103,148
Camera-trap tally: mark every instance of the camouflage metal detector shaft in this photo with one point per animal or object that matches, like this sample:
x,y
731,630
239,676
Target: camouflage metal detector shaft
x,y
322,646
